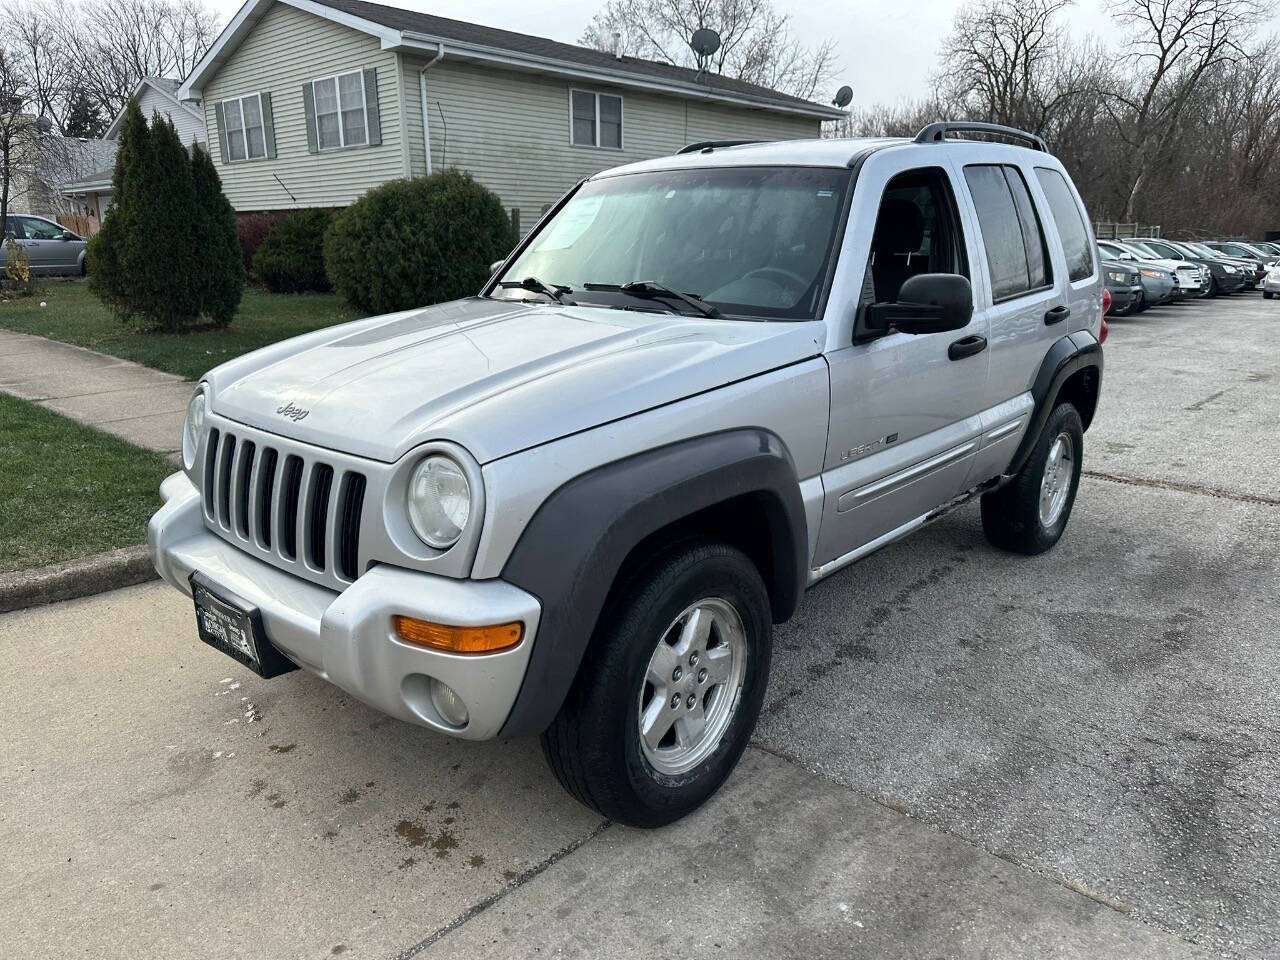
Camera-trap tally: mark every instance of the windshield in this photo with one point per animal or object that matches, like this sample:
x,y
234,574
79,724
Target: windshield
x,y
1201,250
751,241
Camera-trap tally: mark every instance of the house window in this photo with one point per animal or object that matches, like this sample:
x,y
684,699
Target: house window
x,y
595,120
341,120
246,136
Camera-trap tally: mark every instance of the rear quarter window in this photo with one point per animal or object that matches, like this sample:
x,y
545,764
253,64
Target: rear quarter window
x,y
1069,220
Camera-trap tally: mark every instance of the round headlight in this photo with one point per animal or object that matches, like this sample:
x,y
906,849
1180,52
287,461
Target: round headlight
x,y
192,428
439,501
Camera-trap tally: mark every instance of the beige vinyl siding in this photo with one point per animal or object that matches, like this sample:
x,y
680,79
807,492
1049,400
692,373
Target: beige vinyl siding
x,y
189,127
286,49
511,130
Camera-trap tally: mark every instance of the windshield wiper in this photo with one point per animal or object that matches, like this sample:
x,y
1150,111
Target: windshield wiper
x,y
555,291
652,290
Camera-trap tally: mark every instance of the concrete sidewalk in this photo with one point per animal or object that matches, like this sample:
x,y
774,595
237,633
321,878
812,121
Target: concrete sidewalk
x,y
141,405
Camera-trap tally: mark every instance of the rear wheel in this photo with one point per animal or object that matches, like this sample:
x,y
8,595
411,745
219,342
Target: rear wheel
x,y
1029,514
670,688
1267,294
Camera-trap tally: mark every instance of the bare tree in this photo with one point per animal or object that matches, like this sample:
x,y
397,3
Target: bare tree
x,y
118,42
756,41
38,38
1173,44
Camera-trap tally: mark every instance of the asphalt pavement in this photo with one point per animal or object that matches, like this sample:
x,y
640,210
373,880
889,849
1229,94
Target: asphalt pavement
x,y
963,754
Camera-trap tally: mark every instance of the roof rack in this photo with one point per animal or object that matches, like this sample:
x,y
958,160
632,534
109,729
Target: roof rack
x,y
937,132
709,145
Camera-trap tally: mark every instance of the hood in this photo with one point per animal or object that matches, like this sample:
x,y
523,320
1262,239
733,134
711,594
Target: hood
x,y
494,376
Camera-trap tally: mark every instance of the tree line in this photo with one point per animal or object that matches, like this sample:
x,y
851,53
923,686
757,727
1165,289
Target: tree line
x,y
1176,124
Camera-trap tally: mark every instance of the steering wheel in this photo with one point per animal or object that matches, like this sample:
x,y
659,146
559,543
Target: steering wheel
x,y
800,282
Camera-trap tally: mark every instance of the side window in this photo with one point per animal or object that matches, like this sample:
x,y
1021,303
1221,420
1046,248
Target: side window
x,y
1011,234
1038,272
917,231
37,229
13,228
1069,221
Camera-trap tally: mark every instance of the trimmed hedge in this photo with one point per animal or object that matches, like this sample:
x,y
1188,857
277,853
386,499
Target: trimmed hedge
x,y
291,258
409,243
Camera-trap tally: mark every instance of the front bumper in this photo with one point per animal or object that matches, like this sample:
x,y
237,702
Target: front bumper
x,y
346,637
1270,285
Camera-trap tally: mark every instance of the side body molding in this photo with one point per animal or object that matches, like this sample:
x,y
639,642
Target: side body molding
x,y
1067,357
576,543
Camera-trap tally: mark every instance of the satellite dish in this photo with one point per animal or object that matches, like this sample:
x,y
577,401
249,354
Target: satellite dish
x,y
704,41
43,124
844,96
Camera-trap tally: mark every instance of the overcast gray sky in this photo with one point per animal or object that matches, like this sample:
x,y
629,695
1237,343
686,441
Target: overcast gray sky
x,y
887,48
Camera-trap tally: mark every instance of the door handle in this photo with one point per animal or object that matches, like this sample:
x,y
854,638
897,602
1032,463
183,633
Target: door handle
x,y
966,347
1057,314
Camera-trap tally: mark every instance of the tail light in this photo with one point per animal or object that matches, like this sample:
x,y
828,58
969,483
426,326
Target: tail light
x,y
1106,301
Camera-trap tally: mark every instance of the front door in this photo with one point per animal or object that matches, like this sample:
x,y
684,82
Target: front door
x,y
905,408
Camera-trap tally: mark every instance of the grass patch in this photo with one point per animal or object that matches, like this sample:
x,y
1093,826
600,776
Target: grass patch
x,y
74,315
68,490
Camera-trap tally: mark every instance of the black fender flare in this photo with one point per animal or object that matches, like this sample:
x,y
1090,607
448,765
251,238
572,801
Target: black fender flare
x,y
575,544
1067,357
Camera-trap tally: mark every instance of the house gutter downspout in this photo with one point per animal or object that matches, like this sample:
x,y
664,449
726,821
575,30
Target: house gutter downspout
x,y
422,92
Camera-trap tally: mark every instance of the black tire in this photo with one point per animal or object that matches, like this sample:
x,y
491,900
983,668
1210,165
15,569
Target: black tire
x,y
1267,294
593,746
1212,290
1141,304
1011,516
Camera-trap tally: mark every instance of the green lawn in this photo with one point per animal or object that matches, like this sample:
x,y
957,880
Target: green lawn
x,y
74,315
67,490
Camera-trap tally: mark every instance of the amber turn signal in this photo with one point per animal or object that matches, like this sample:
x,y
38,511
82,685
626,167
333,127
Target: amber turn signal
x,y
439,636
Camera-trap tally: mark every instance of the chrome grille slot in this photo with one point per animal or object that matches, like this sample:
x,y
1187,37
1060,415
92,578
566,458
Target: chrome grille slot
x,y
318,513
240,495
225,457
262,498
288,504
291,487
348,546
210,471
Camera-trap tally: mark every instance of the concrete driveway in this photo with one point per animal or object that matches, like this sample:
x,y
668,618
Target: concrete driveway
x,y
964,754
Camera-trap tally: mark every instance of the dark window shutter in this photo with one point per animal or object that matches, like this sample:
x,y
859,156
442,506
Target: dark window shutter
x,y
309,105
222,131
371,105
268,125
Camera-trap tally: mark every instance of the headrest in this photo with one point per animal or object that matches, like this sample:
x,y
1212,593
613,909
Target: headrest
x,y
899,227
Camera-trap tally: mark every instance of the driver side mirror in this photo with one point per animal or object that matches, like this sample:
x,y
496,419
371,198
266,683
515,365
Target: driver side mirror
x,y
68,235
495,266
927,303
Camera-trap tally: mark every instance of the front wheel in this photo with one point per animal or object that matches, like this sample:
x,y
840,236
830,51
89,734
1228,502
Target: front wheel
x,y
1029,514
669,690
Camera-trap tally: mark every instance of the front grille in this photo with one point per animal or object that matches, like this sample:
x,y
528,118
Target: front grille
x,y
284,503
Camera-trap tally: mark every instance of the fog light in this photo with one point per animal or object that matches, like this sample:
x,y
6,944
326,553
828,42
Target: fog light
x,y
441,636
448,704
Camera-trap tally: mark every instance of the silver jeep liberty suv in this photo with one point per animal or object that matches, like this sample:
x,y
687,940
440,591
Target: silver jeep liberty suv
x,y
574,505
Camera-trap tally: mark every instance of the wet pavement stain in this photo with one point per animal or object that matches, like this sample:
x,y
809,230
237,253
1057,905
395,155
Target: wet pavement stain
x,y
350,795
475,860
256,787
283,747
407,862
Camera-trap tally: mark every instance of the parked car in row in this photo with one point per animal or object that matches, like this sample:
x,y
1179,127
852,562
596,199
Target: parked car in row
x,y
1162,280
1224,276
1135,284
1271,281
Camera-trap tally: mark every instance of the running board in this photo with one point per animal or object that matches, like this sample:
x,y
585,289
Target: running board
x,y
897,533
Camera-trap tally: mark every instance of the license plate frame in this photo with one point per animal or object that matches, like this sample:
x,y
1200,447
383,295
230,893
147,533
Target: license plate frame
x,y
232,625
